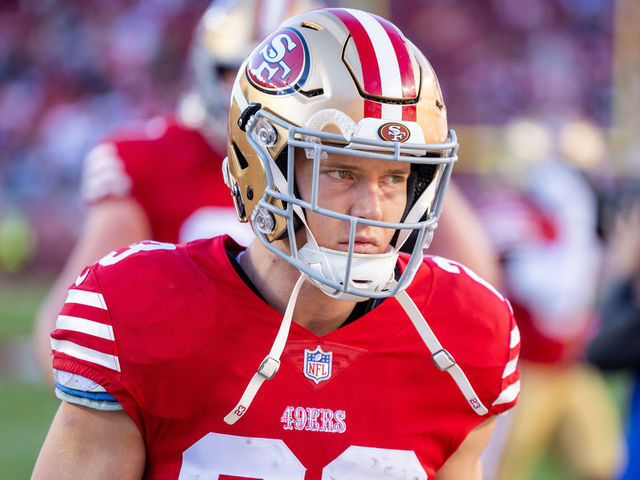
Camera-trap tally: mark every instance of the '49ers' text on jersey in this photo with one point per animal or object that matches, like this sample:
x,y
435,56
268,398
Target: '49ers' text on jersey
x,y
175,335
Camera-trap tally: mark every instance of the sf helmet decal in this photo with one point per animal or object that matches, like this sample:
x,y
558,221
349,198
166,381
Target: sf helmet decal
x,y
394,132
280,64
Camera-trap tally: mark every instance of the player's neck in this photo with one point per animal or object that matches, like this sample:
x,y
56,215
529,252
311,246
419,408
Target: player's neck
x,y
274,278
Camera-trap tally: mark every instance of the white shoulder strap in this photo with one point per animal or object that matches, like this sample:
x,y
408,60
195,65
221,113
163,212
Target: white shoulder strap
x,y
271,362
443,359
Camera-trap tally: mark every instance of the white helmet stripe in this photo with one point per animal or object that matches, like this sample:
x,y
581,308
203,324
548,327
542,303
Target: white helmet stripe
x,y
391,112
386,66
386,59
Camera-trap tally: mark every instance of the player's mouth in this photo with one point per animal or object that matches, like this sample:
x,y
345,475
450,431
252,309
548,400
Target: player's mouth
x,y
361,245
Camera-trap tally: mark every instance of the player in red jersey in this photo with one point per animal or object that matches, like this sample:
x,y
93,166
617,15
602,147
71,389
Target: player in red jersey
x,y
162,180
320,351
552,262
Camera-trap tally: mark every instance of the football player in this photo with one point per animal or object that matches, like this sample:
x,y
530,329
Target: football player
x,y
552,262
321,350
163,180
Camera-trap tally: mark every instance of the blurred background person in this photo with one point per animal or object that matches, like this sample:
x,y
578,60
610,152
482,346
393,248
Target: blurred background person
x,y
616,347
162,180
543,219
73,72
555,61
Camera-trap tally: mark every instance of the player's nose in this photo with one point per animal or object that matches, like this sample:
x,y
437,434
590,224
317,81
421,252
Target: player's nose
x,y
367,200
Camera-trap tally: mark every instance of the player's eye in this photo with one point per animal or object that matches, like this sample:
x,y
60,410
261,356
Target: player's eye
x,y
395,179
338,174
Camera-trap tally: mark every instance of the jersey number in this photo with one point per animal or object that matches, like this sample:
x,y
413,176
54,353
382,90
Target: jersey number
x,y
145,246
217,454
455,267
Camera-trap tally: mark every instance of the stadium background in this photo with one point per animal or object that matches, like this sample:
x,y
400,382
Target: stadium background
x,y
517,75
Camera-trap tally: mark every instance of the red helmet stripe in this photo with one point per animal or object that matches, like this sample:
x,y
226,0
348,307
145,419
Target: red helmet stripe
x,y
404,60
372,109
409,113
385,61
368,60
406,69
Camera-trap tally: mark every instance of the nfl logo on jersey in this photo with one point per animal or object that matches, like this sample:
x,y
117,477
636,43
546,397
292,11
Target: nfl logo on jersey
x,y
317,364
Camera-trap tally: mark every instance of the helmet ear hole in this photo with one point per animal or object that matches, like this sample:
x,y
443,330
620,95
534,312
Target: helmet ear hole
x,y
282,162
242,161
419,179
424,175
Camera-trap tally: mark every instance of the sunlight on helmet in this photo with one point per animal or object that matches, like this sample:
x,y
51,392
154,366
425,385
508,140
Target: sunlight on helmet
x,y
323,85
226,34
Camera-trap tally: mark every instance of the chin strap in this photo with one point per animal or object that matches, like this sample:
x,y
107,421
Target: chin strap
x,y
271,362
442,359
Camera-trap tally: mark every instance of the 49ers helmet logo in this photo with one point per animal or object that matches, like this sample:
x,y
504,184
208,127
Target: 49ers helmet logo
x,y
394,132
280,63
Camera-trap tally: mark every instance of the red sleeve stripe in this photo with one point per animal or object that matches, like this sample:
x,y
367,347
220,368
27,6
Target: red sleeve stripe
x,y
86,354
82,325
84,297
508,395
83,311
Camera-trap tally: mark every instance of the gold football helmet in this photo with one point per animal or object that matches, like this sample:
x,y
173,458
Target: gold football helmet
x,y
337,81
226,33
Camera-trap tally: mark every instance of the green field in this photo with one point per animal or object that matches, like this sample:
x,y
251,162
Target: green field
x,y
26,410
26,407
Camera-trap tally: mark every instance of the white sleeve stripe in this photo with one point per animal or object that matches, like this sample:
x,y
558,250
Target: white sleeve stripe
x,y
509,394
83,297
515,337
84,353
510,367
82,325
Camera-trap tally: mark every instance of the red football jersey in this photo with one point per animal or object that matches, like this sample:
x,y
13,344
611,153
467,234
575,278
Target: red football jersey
x,y
173,173
175,335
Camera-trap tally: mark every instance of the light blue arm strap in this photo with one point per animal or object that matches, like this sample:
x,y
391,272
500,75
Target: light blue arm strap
x,y
80,390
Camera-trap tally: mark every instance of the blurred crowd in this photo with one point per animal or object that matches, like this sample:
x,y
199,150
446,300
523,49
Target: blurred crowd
x,y
537,76
498,58
70,72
